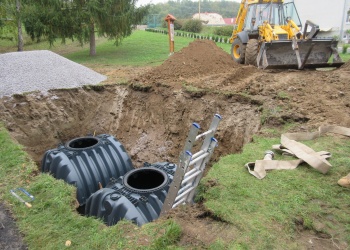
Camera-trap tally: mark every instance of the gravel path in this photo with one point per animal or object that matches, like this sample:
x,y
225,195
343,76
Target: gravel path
x,y
42,70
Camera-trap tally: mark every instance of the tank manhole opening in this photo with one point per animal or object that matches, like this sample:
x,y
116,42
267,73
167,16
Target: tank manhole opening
x,y
145,179
83,142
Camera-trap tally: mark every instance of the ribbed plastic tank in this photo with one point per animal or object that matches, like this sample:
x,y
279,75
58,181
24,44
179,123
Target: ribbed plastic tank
x,y
138,196
87,161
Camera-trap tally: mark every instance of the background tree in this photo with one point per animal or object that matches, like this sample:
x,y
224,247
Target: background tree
x,y
19,25
52,19
10,21
2,15
80,19
111,18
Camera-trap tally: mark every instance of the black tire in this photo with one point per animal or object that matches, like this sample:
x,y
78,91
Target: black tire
x,y
251,52
238,51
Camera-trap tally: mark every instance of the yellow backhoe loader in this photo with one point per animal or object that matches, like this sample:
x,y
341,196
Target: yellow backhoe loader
x,y
268,35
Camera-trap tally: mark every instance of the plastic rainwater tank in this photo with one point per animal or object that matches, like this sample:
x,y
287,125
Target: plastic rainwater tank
x,y
87,161
137,196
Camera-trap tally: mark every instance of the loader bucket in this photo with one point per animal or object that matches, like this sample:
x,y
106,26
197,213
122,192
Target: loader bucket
x,y
299,54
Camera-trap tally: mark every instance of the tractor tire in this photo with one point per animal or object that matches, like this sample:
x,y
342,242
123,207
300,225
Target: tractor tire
x,y
252,51
238,51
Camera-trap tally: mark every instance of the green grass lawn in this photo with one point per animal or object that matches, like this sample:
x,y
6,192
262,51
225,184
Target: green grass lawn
x,y
267,211
140,49
345,57
260,214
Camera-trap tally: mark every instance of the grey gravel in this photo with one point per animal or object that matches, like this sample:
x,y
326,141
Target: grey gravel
x,y
42,70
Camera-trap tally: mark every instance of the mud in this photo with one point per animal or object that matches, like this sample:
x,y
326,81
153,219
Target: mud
x,y
10,237
150,110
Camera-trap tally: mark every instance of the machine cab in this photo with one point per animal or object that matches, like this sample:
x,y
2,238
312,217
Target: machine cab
x,y
274,12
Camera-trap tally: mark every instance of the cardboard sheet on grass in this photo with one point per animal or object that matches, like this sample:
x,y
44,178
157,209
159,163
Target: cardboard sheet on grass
x,y
290,145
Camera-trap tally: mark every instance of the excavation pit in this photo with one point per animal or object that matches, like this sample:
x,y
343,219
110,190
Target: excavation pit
x,y
151,127
151,115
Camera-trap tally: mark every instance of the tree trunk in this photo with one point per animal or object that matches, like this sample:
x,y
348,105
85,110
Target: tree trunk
x,y
92,40
19,26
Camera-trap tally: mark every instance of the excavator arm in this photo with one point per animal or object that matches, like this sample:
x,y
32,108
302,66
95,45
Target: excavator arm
x,y
292,29
239,23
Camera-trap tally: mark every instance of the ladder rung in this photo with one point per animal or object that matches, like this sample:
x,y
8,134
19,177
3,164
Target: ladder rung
x,y
184,194
198,159
184,184
179,202
204,134
190,172
184,188
197,154
190,177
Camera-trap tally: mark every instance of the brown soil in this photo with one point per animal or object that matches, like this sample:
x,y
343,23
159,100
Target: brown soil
x,y
10,238
200,58
152,114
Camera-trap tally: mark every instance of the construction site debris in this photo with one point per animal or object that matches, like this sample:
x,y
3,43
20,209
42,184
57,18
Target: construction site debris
x,y
291,146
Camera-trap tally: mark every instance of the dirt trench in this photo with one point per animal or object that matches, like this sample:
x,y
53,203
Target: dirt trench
x,y
152,126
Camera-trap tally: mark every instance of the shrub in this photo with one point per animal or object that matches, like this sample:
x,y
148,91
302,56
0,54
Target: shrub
x,y
164,24
223,31
193,25
178,24
345,48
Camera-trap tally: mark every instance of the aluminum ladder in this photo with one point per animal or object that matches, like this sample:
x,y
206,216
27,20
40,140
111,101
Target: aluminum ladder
x,y
186,178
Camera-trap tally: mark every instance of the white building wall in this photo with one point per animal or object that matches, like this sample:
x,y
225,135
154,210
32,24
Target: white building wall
x,y
346,23
330,15
210,18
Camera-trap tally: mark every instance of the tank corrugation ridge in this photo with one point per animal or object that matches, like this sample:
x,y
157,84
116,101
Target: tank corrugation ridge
x,y
140,201
87,162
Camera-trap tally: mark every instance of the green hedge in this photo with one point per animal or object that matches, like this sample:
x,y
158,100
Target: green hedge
x,y
192,25
223,31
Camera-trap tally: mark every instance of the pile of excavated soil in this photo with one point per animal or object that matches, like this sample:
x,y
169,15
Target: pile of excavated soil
x,y
42,70
200,58
346,66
